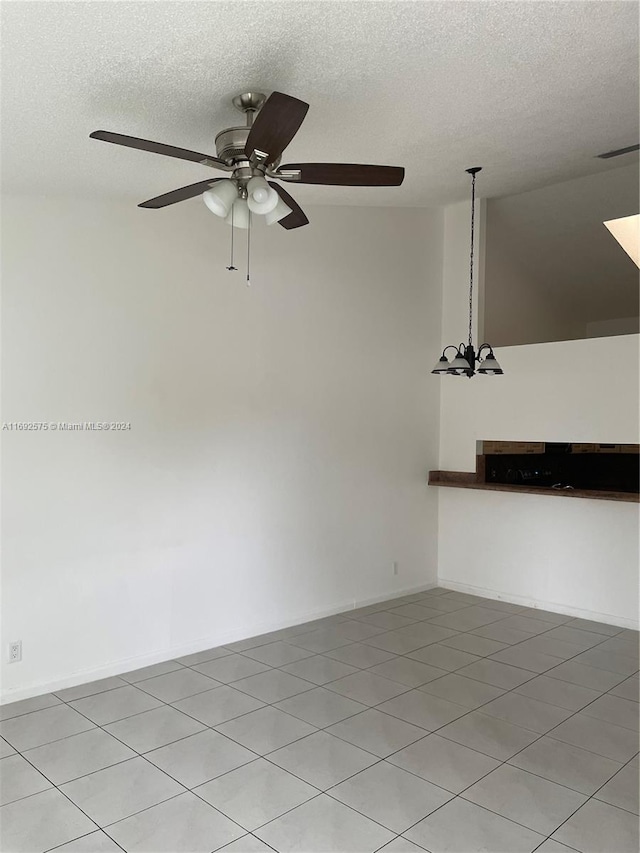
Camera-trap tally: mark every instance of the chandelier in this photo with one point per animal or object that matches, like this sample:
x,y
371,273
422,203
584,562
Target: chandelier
x,y
466,361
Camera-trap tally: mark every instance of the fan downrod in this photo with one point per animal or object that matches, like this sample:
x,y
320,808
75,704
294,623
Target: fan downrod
x,y
249,103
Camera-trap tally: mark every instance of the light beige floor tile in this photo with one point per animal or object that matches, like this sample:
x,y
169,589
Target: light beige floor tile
x,y
529,800
613,709
444,762
90,689
231,668
443,657
154,728
597,736
359,656
525,712
462,827
27,706
376,732
600,828
413,673
622,790
19,779
566,764
390,796
422,709
197,759
489,735
40,727
95,842
278,654
137,675
177,685
463,691
323,825
319,669
218,705
41,822
256,793
264,730
322,760
556,692
119,791
184,824
320,707
367,688
78,755
104,708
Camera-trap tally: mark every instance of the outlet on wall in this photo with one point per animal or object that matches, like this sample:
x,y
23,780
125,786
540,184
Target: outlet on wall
x,y
394,568
15,651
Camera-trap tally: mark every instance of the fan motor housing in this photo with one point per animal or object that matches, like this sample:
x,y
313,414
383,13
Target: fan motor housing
x,y
230,143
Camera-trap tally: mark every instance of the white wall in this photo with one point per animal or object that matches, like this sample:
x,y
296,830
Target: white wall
x,y
280,434
573,555
552,268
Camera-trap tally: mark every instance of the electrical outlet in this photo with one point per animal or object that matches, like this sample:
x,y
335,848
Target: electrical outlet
x,y
15,651
394,568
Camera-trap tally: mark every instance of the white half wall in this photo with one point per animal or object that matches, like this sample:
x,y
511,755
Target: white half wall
x,y
280,433
571,555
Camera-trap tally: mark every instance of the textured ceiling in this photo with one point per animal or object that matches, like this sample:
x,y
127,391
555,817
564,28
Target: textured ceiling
x,y
529,90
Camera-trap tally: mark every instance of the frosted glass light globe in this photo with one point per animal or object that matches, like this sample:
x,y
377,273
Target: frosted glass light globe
x,y
221,196
240,214
279,212
260,197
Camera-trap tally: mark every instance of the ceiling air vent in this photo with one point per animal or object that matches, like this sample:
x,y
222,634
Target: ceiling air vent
x,y
608,154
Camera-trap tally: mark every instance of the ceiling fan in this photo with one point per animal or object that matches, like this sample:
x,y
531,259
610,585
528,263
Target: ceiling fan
x,y
252,154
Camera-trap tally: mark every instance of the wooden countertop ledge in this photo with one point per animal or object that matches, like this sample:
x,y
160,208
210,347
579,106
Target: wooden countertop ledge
x,y
467,480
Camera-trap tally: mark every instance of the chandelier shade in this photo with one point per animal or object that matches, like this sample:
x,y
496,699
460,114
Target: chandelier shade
x,y
489,365
459,366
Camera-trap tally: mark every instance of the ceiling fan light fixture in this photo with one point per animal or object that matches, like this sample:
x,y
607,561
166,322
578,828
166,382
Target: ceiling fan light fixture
x,y
279,212
260,197
220,197
250,155
239,214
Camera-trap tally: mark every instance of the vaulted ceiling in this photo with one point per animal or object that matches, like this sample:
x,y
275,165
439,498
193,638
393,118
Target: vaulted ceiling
x,y
532,91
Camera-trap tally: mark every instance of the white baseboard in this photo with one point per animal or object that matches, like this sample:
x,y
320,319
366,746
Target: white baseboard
x,y
128,664
553,606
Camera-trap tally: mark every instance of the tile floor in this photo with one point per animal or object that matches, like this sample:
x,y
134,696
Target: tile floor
x,y
439,721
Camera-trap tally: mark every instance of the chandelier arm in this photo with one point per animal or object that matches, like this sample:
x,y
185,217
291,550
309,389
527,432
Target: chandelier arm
x,y
451,346
485,346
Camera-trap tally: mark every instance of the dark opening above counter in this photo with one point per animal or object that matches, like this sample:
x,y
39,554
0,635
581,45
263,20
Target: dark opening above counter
x,y
597,471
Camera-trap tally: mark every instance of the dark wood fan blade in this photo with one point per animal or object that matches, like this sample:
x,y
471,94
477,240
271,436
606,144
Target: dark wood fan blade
x,y
348,174
297,217
156,147
179,195
275,125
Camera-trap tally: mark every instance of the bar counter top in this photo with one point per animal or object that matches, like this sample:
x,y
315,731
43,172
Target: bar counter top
x,y
468,480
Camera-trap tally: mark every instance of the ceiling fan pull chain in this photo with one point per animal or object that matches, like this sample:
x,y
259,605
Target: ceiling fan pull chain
x,y
249,249
231,266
